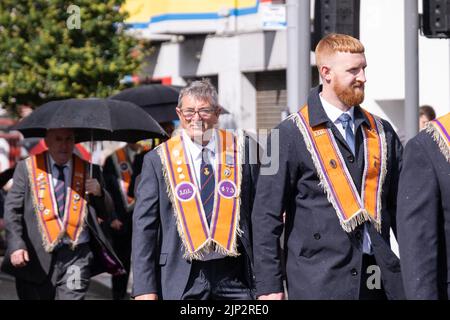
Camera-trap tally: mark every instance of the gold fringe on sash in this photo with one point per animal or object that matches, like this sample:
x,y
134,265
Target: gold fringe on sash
x,y
237,232
45,227
171,196
439,139
383,173
205,248
361,215
48,246
208,246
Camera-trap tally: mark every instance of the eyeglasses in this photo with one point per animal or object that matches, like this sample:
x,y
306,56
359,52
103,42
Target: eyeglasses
x,y
203,113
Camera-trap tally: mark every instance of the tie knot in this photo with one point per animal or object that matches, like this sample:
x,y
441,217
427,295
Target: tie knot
x,y
205,155
345,119
60,168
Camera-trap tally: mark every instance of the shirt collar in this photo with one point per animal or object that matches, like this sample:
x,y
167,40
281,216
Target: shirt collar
x,y
68,164
195,149
333,112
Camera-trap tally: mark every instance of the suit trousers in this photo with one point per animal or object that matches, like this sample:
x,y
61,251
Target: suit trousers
x,y
218,279
122,245
68,278
371,288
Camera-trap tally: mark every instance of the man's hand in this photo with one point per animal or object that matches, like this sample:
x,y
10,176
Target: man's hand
x,y
116,224
2,224
93,187
148,296
272,296
19,258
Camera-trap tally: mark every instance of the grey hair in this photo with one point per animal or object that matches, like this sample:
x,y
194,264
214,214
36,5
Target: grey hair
x,y
200,90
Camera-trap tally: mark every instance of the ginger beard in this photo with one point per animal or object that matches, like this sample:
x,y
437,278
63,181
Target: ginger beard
x,y
350,95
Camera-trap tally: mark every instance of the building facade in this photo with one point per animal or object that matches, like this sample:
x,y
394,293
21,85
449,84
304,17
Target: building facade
x,y
241,45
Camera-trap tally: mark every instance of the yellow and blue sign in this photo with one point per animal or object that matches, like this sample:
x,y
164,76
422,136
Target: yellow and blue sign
x,y
143,13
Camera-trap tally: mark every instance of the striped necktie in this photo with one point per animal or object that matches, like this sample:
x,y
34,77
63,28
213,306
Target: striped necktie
x,y
207,183
60,190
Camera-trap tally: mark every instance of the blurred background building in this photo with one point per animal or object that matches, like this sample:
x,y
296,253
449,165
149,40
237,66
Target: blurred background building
x,y
241,45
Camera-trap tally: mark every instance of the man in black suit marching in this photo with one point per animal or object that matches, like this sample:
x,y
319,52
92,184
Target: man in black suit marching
x,y
54,243
337,182
118,173
424,212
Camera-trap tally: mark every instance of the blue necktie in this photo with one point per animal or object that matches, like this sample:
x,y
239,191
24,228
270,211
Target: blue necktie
x,y
345,119
60,190
207,182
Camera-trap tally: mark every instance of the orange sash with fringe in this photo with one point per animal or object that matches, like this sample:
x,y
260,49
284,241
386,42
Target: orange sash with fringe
x,y
440,130
352,209
197,236
124,170
51,226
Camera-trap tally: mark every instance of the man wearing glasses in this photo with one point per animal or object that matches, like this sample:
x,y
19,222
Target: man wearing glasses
x,y
191,223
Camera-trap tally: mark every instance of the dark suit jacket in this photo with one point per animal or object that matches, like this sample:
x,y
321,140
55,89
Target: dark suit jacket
x,y
22,230
322,260
120,212
158,263
424,220
137,169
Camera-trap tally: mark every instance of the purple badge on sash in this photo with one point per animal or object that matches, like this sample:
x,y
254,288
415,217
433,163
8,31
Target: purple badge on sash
x,y
185,191
227,189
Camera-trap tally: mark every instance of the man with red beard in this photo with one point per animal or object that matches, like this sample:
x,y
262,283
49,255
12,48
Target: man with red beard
x,y
337,183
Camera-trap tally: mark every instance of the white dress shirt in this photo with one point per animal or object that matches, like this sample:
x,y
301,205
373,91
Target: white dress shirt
x,y
333,114
194,153
55,172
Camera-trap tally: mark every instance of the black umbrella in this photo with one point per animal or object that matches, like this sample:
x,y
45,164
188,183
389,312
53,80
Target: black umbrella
x,y
92,119
160,101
